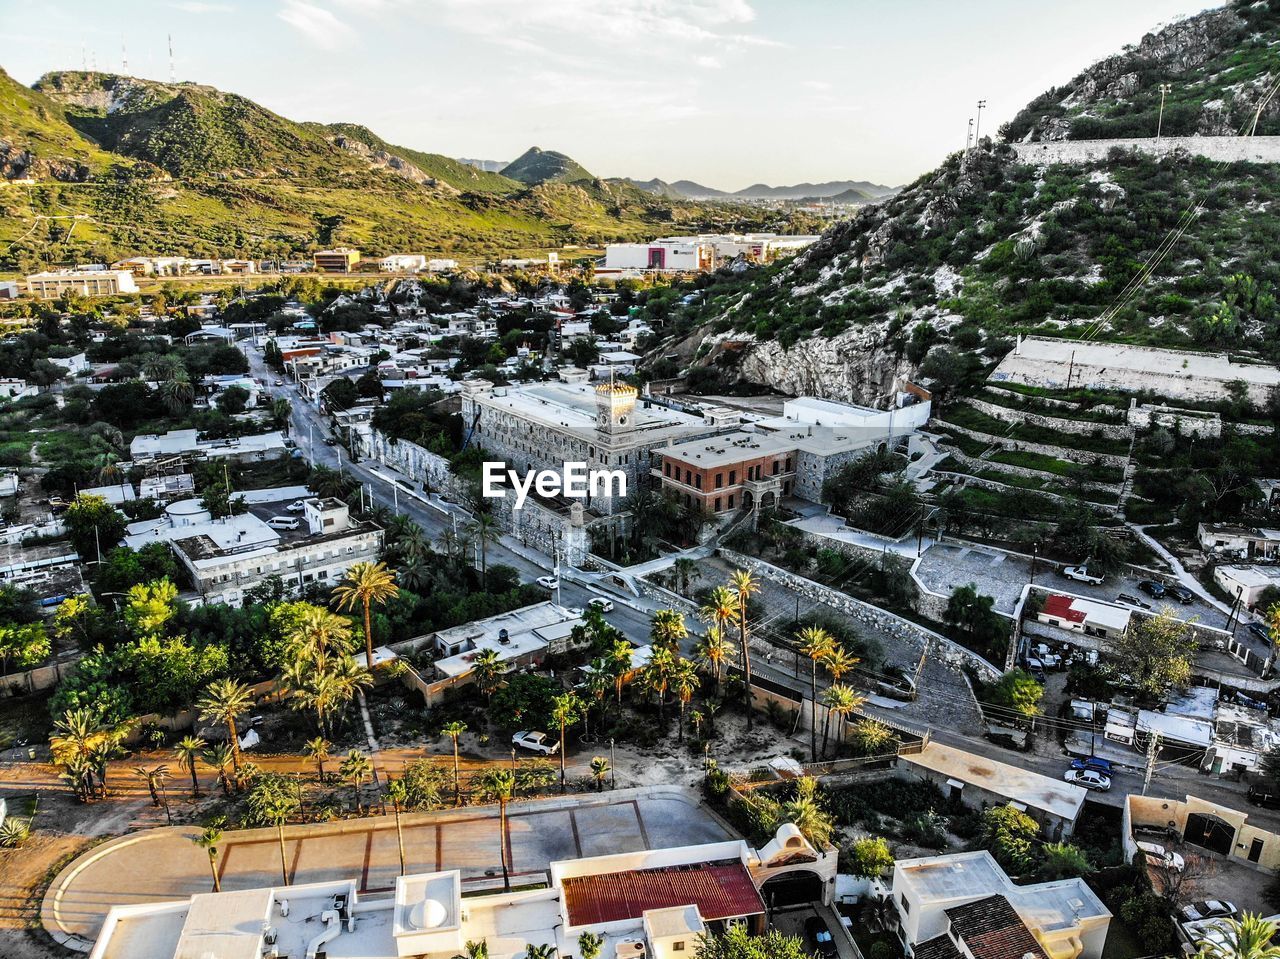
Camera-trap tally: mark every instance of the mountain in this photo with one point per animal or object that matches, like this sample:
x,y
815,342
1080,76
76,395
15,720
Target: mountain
x,y
184,168
1218,67
488,166
656,187
697,190
536,166
804,191
937,281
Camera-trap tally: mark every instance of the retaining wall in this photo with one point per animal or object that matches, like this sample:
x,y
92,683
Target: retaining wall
x,y
1059,452
1228,149
1007,414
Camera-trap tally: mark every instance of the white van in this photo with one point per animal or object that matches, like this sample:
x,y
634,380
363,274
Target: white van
x,y
284,522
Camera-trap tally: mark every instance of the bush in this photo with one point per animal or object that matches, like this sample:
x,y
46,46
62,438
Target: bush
x,y
869,856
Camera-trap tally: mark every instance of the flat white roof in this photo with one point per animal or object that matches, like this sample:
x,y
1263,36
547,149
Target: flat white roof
x,y
1118,357
1054,796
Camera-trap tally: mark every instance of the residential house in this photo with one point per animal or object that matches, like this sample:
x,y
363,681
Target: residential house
x,y
104,282
1243,541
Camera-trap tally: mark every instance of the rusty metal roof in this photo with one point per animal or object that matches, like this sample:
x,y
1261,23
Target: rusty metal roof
x,y
720,890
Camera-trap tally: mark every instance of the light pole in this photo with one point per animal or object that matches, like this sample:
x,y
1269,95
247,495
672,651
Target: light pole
x,y
977,127
968,137
1164,89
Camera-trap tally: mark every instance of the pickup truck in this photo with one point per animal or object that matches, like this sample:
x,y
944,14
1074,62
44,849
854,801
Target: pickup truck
x,y
1081,574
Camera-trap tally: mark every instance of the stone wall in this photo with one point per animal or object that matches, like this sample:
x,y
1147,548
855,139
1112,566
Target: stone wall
x,y
1006,414
1075,456
1227,149
1187,422
974,463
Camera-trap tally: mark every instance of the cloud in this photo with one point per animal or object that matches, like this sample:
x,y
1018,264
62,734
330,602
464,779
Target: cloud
x,y
316,24
196,6
819,85
709,63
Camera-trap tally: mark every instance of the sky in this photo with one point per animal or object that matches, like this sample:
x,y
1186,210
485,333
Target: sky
x,y
723,92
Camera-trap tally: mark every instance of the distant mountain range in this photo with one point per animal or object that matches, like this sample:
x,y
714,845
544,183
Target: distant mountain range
x,y
488,166
839,191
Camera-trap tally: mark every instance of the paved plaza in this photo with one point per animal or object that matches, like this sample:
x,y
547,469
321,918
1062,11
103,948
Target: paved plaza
x,y
163,864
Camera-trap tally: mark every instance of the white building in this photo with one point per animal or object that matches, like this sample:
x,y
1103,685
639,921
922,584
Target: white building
x,y
402,263
964,906
441,265
1242,541
666,255
16,389
1247,581
51,285
187,446
1082,615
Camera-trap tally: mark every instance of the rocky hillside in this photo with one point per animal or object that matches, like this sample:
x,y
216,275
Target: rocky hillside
x,y
1218,66
153,167
536,166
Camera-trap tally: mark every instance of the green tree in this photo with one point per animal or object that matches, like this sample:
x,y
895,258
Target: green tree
x,y
1060,860
667,628
814,642
398,793
355,769
318,749
341,394
271,802
1156,653
974,616
22,645
744,585
488,668
737,943
590,945
93,525
869,856
225,701
1248,937
188,753
564,710
599,771
1009,835
498,785
365,584
208,840
233,400
1017,691
453,730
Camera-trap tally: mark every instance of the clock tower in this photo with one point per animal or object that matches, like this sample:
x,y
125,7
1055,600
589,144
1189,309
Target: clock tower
x,y
615,407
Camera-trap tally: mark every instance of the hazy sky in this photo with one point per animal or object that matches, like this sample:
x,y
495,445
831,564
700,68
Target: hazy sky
x,y
725,92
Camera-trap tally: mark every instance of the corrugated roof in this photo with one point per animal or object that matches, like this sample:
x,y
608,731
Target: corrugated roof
x,y
992,929
1059,607
720,890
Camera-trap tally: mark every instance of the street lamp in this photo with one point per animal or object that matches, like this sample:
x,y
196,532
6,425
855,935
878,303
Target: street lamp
x,y
1165,88
977,129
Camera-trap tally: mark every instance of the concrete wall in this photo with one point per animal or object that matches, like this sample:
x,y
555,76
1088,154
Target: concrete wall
x,y
1059,452
1115,431
37,679
1228,149
1147,810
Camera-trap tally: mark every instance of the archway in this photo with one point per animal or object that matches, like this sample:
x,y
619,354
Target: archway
x,y
798,888
1210,832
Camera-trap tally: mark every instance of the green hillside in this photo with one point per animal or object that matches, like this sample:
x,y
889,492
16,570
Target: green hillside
x,y
37,141
536,166
457,174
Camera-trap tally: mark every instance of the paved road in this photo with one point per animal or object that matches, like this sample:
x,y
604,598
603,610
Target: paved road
x,y
163,864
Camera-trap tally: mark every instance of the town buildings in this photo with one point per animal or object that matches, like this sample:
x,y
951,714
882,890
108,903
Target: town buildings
x,y
1244,542
694,254
186,446
340,260
51,285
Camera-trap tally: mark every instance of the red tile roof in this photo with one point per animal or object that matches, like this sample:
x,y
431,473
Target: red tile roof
x,y
720,890
1059,607
992,929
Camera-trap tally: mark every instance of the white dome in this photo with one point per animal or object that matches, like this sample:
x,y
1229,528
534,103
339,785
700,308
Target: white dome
x,y
428,914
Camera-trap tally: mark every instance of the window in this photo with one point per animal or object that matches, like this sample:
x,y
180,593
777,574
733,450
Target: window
x,y
697,481
776,467
678,946
730,501
717,504
719,480
906,906
733,478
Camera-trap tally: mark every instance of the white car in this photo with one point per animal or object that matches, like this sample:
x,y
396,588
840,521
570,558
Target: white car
x,y
297,506
1081,574
284,522
1089,779
1209,909
549,582
535,742
1157,855
600,603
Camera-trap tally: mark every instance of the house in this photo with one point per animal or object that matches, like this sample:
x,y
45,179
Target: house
x,y
115,495
964,906
79,363
1198,822
976,780
519,637
104,282
341,260
402,263
17,389
1242,541
187,446
1248,582
8,290
656,902
665,255
441,265
1082,615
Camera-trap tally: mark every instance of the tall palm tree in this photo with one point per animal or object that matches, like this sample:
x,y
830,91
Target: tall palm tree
x,y
667,629
80,743
719,612
1248,937
153,776
656,676
498,785
453,730
596,688
398,794
188,754
318,749
355,769
564,710
276,808
838,662
684,680
319,635
488,668
840,700
619,657
599,771
687,570
218,756
208,841
225,701
744,586
177,394
712,653
815,642
484,531
805,812
365,584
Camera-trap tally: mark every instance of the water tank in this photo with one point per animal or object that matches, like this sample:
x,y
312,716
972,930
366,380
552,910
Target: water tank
x,y
503,636
428,914
187,512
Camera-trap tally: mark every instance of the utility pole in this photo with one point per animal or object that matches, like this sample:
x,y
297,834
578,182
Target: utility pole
x,y
977,127
968,137
1164,89
1153,753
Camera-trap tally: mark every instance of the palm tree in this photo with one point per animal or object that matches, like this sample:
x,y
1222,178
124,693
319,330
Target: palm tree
x,y
275,807
499,785
687,570
208,841
219,757
453,730
840,700
475,950
712,653
81,744
319,635
355,769
564,710
225,701
397,793
838,662
807,815
177,393
619,657
1248,937
599,771
153,777
596,688
684,680
363,585
280,412
719,613
589,945
667,629
544,950
188,754
318,749
656,676
488,668
485,531
815,642
744,586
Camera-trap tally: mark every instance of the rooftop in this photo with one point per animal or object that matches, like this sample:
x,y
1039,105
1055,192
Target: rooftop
x,y
720,890
528,629
991,929
1053,796
726,449
574,405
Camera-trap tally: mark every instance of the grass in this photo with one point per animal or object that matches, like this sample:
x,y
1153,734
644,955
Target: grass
x,y
980,422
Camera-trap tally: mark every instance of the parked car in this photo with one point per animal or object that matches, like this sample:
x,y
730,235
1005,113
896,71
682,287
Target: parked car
x,y
284,522
600,603
1180,593
330,441
819,936
1261,795
1209,909
1152,588
549,582
1096,763
297,506
1089,779
1048,658
1081,574
1132,601
535,742
1157,855
1260,632
279,382
1036,668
